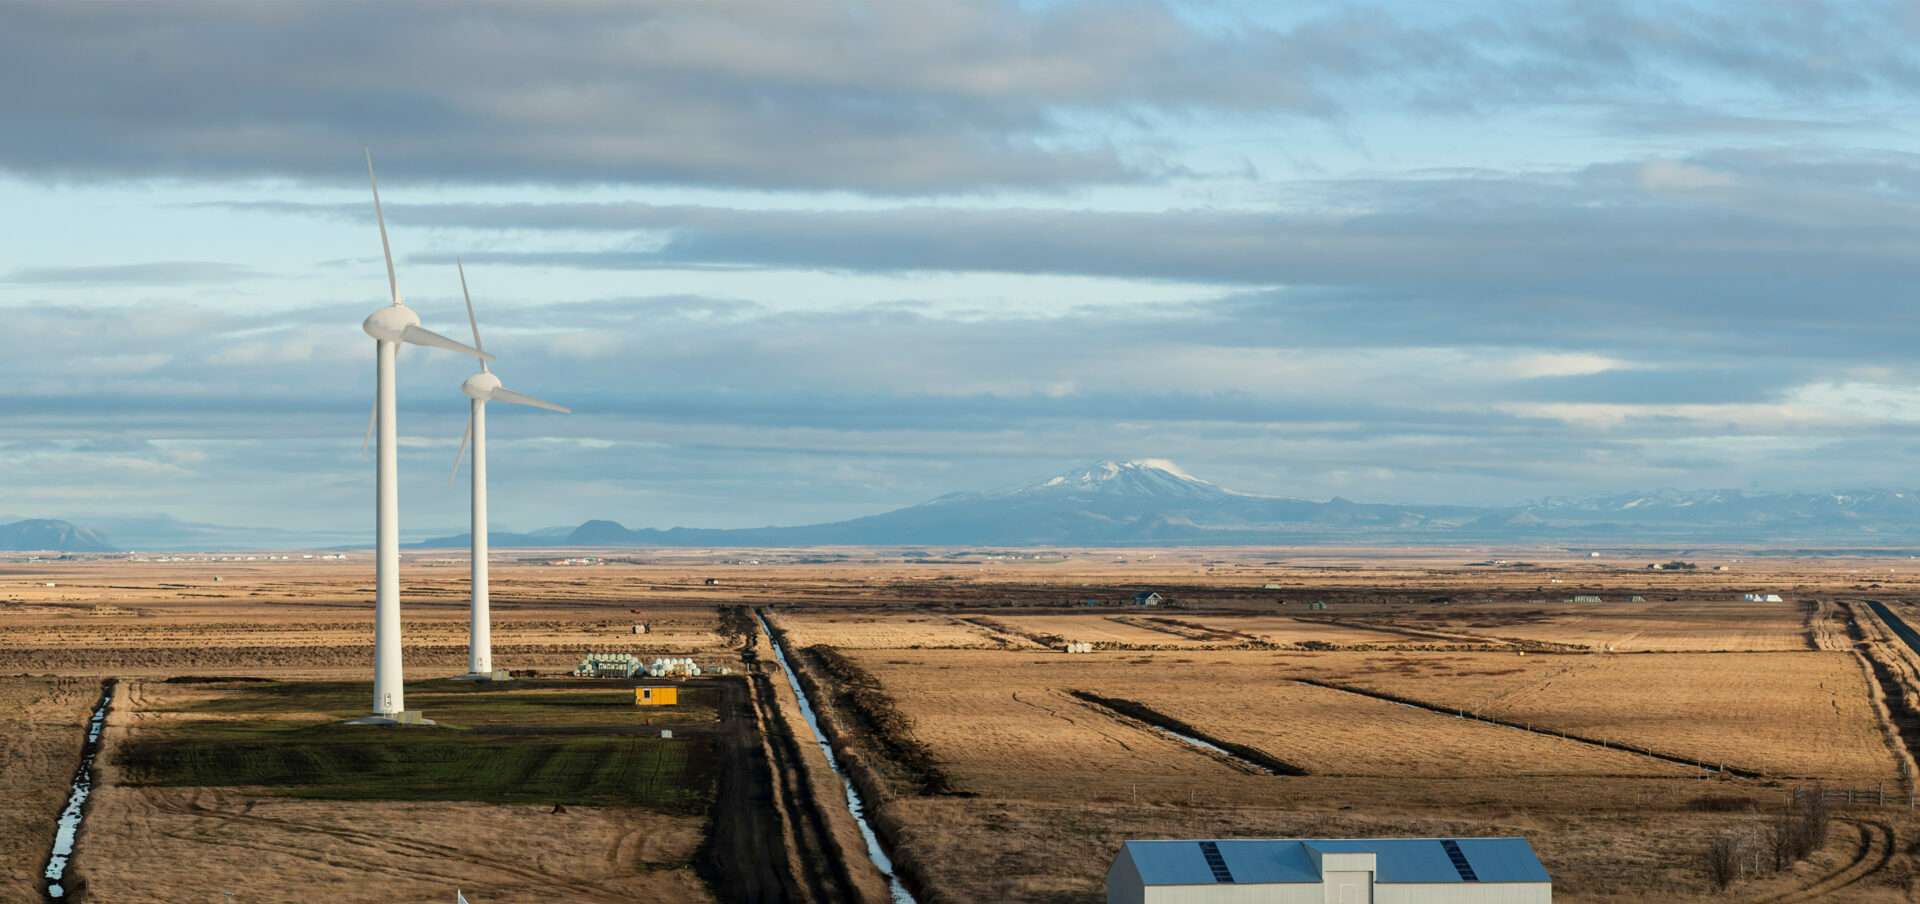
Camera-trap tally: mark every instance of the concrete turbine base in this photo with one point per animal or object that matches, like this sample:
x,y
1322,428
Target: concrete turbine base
x,y
495,675
409,717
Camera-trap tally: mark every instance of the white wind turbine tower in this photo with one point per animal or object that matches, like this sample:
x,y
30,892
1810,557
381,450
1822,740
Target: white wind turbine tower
x,y
390,326
482,388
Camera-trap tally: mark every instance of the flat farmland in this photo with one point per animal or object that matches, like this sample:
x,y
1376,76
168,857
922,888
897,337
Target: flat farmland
x,y
1805,715
1659,625
1007,723
1283,629
1148,627
867,630
1095,627
1001,725
954,642
195,843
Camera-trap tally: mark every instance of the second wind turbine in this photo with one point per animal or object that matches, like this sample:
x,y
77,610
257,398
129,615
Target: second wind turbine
x,y
482,388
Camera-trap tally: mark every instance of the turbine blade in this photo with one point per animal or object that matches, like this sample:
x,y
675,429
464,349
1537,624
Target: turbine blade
x,y
470,321
463,449
371,417
502,394
419,336
393,284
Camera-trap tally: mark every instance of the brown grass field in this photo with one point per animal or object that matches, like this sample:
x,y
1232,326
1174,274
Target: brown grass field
x,y
1802,715
1048,783
40,738
983,711
1188,629
883,631
1656,624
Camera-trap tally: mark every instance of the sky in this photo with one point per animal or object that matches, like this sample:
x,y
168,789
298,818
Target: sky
x,y
799,262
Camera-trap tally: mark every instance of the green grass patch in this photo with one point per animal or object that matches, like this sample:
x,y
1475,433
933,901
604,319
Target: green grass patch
x,y
524,745
472,704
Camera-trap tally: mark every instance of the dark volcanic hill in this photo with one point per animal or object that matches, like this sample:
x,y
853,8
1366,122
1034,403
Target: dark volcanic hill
x,y
43,534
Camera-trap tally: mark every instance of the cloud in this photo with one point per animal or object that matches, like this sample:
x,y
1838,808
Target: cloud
x,y
1777,254
880,98
1681,119
158,273
883,98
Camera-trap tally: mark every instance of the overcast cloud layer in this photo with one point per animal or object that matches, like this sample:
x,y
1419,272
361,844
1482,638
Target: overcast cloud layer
x,y
802,262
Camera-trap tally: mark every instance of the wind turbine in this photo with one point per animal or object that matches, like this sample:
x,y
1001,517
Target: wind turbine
x,y
390,327
482,388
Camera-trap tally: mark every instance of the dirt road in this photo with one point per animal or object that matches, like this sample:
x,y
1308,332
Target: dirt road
x,y
745,858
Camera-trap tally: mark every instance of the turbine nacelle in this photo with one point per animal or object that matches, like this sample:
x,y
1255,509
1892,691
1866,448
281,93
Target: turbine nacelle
x,y
480,386
389,324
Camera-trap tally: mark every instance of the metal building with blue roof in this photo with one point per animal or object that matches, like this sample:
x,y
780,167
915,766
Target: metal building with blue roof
x,y
1329,871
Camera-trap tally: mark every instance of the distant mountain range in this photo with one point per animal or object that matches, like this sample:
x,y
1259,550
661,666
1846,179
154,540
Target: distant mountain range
x,y
1154,502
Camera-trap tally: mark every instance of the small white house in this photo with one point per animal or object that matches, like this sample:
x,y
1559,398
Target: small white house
x,y
1760,598
1329,871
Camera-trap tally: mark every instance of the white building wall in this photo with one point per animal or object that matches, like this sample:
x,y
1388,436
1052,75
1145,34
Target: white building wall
x,y
1464,893
1124,887
1349,886
1302,893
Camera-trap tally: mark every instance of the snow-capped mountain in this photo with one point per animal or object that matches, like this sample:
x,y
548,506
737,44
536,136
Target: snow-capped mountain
x,y
1144,478
1152,478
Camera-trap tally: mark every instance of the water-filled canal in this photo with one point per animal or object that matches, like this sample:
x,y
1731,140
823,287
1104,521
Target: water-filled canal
x,y
69,825
854,801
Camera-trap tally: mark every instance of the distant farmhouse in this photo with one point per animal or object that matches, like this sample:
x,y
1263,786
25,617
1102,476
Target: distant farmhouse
x,y
1148,598
1329,871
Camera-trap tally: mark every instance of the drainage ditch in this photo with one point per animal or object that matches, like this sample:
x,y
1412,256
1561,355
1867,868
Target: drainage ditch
x,y
855,803
1251,756
68,829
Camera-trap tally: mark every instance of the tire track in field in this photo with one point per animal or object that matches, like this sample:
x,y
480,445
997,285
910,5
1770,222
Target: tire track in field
x,y
998,633
1872,852
356,837
1527,690
1069,719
